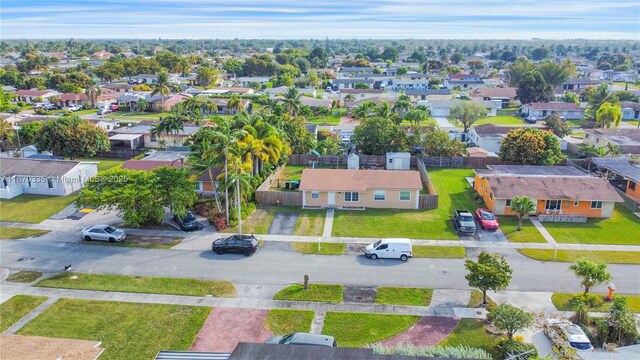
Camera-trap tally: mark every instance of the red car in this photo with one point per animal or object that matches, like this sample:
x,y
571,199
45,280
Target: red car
x,y
487,220
114,107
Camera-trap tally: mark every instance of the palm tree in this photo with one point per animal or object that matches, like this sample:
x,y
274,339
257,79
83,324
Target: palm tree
x,y
191,104
93,92
364,110
384,110
591,273
142,105
291,101
609,113
235,103
6,130
161,87
349,97
613,150
173,124
401,106
522,206
238,153
157,129
200,162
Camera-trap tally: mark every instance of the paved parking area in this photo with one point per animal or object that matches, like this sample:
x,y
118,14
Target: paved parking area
x,y
283,224
226,327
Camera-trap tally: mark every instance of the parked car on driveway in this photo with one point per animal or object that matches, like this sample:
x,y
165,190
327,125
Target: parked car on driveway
x,y
389,249
487,220
464,222
104,111
300,338
51,107
187,222
104,233
114,107
531,120
562,332
73,108
243,244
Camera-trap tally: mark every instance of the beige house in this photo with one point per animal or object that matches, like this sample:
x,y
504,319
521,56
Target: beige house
x,y
341,188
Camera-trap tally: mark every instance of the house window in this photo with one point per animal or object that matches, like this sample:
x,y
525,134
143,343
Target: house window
x,y
576,202
315,195
491,195
50,183
153,139
351,196
596,204
553,205
632,186
508,204
405,195
390,161
379,195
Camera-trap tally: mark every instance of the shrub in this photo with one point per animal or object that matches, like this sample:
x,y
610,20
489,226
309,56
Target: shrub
x,y
590,300
246,211
513,347
458,352
581,315
21,103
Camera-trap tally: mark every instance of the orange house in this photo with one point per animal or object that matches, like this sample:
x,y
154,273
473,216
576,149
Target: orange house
x,y
556,190
622,174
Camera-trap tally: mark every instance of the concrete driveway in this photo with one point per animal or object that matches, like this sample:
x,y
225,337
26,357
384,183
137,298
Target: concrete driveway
x,y
283,224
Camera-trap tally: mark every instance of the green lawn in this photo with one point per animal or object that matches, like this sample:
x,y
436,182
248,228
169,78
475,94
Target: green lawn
x,y
19,233
454,193
361,329
293,172
576,122
137,284
24,276
325,248
16,308
429,122
620,229
631,122
332,119
528,234
141,241
282,321
86,112
448,252
609,257
499,120
316,292
404,296
33,208
310,222
127,330
104,164
475,300
472,333
564,302
136,115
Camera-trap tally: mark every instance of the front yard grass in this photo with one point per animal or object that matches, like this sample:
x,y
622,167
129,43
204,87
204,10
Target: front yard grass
x,y
283,321
443,252
621,229
310,222
141,241
361,329
609,257
404,296
325,248
472,333
16,308
138,284
500,120
475,300
33,208
127,330
528,234
24,276
19,233
454,193
564,302
316,292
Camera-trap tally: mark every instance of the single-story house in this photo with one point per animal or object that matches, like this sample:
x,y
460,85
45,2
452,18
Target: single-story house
x,y
443,107
488,136
43,177
627,139
417,84
275,92
579,84
102,55
542,110
169,101
30,96
431,95
619,76
342,188
70,99
360,93
630,110
229,90
622,174
351,105
223,105
106,124
350,83
245,81
463,81
556,190
315,103
118,87
146,140
145,78
506,94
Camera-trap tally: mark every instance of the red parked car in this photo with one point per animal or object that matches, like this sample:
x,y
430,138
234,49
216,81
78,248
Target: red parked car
x,y
114,107
487,220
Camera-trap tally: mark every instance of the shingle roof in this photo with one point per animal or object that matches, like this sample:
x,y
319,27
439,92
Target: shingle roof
x,y
359,180
554,106
148,165
35,167
490,129
39,347
495,92
630,104
620,166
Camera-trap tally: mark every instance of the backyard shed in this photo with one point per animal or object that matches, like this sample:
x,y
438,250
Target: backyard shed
x,y
353,162
398,161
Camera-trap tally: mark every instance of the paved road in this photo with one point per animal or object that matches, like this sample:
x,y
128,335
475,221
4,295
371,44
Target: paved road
x,y
279,267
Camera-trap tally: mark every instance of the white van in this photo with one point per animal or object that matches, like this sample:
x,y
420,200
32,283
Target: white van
x,y
389,249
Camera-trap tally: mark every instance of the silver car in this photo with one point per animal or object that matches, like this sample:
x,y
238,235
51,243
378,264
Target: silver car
x,y
104,233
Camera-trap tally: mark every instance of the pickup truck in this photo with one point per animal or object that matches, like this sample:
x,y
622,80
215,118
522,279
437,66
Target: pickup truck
x,y
464,222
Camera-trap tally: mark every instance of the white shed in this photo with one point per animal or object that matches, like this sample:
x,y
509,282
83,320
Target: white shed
x,y
398,161
353,161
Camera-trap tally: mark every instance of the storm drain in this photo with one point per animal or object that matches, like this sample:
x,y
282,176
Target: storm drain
x,y
359,294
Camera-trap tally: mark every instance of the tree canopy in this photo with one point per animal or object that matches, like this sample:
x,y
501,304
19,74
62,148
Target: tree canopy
x,y
377,136
490,272
72,137
531,146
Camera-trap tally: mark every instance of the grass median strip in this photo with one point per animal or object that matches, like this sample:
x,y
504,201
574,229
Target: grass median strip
x,y
142,241
283,321
137,284
127,330
361,329
609,257
312,248
404,296
564,302
448,252
316,292
24,276
19,233
472,333
16,308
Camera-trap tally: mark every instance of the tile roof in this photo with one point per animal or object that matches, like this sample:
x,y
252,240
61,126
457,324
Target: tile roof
x,y
35,167
359,180
490,129
495,92
33,92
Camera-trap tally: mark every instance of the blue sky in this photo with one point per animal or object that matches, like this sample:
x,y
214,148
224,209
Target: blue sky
x,y
279,19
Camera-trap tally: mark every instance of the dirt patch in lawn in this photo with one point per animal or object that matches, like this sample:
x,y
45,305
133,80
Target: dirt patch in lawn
x,y
142,241
428,331
226,327
360,294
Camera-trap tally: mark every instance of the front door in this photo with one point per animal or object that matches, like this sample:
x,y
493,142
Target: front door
x,y
331,198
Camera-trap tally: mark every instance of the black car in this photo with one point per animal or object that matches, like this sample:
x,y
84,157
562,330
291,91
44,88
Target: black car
x,y
187,222
243,244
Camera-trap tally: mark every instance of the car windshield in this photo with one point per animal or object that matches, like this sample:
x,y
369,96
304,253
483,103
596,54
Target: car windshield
x,y
488,216
375,244
189,216
109,229
580,345
286,339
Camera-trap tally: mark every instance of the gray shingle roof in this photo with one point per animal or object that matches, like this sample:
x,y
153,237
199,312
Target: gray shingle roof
x,y
35,167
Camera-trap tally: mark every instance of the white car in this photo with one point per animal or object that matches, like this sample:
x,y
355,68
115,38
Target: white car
x,y
389,249
562,331
103,233
73,108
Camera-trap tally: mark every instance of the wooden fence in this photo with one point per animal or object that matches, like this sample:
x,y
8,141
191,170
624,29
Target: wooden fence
x,y
264,196
461,162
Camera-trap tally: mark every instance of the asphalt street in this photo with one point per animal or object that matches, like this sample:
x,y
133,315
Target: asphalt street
x,y
284,267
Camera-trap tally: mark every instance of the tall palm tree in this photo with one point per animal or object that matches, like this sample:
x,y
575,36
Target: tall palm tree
x,y
6,130
291,101
384,110
591,273
608,114
200,162
162,87
235,103
522,206
156,131
364,110
238,153
401,106
173,124
93,92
